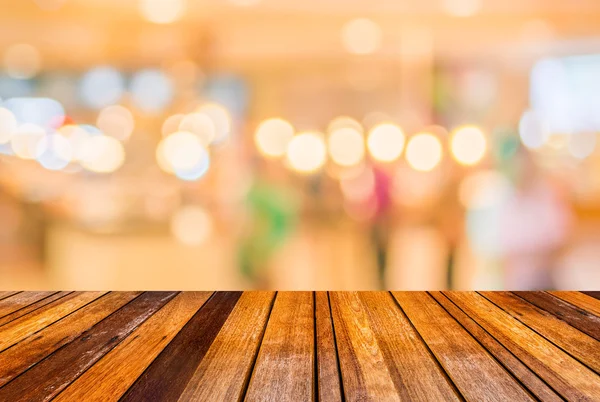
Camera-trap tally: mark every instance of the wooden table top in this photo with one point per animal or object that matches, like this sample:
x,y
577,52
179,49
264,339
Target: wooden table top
x,y
299,346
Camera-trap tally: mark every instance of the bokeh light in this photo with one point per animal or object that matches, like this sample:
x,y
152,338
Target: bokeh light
x,y
44,112
24,142
180,151
201,125
483,189
582,145
361,36
77,137
221,120
533,131
468,145
162,11
151,90
386,142
306,152
171,124
344,122
54,152
462,8
101,87
116,121
198,170
272,137
22,61
8,125
423,152
102,154
191,225
346,146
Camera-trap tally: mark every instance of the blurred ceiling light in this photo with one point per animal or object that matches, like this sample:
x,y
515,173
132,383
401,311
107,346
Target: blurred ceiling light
x,y
22,61
468,145
101,87
462,8
171,124
533,131
483,189
54,152
346,146
151,90
8,125
386,142
220,117
423,152
361,36
182,150
306,152
344,122
50,5
191,225
24,142
162,11
116,121
272,137
102,154
582,145
201,125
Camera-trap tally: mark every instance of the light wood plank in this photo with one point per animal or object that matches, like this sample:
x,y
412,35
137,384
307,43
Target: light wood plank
x,y
20,300
328,376
580,300
110,378
284,369
567,376
224,372
23,327
29,351
32,307
6,294
472,369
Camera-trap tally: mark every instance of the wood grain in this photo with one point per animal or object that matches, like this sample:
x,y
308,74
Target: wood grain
x,y
479,377
580,300
287,352
6,294
365,375
110,378
32,307
29,351
594,294
23,327
579,345
224,372
535,385
328,375
568,377
46,379
170,372
586,322
20,300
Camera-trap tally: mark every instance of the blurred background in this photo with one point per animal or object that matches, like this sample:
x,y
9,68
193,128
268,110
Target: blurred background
x,y
286,144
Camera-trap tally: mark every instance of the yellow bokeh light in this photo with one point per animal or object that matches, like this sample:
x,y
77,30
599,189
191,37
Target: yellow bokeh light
x,y
191,225
361,36
468,145
201,125
162,11
272,137
102,154
22,61
179,151
8,125
344,122
306,152
116,121
220,118
346,146
171,124
24,142
424,152
386,142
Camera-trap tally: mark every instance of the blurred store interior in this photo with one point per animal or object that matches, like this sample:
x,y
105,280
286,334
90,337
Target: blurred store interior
x,y
286,144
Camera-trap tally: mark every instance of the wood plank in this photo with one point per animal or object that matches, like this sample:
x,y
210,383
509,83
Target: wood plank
x,y
20,300
170,372
594,294
32,307
5,294
328,375
473,370
579,299
586,322
21,328
577,344
529,379
287,352
29,351
46,379
110,378
564,374
224,372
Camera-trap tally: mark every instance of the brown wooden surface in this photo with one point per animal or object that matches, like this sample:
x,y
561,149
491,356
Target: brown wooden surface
x,y
196,346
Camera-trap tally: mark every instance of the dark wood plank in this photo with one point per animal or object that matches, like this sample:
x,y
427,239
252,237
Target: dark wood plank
x,y
46,379
581,300
166,378
571,379
284,369
328,376
577,344
29,351
21,328
20,300
5,294
584,321
473,370
32,307
529,379
224,372
112,375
